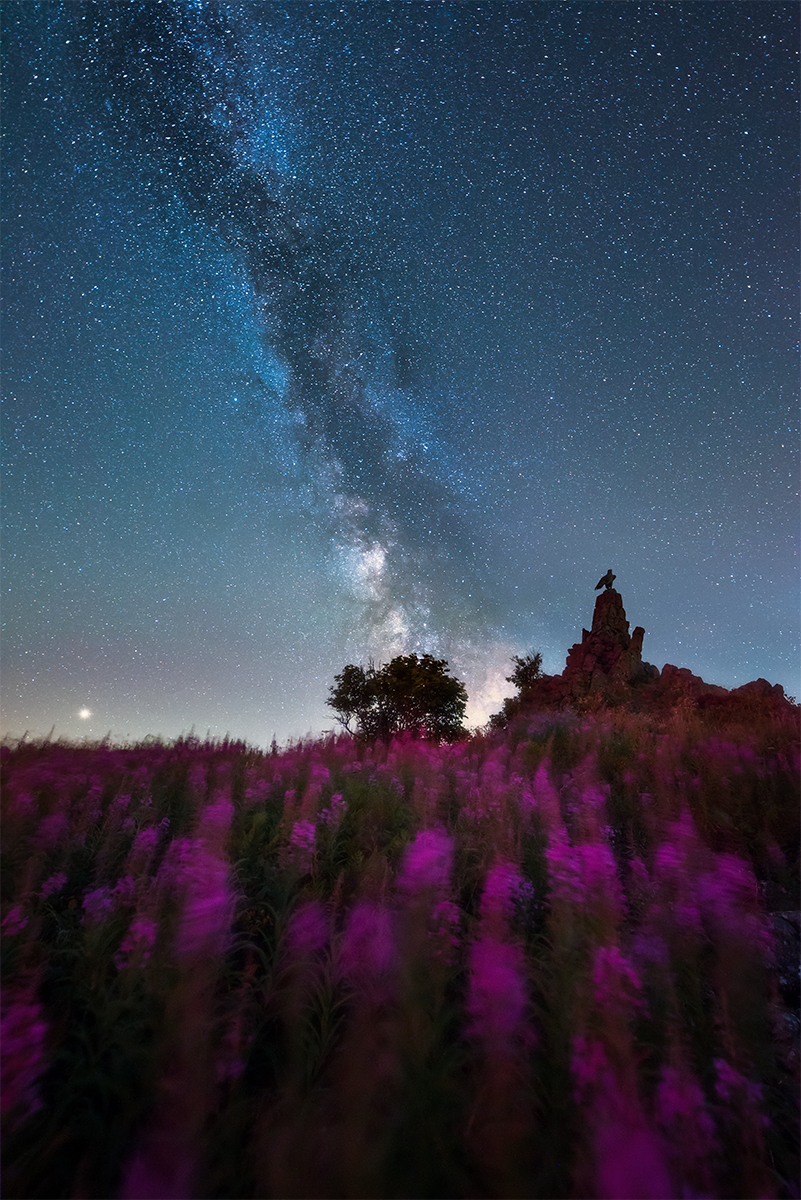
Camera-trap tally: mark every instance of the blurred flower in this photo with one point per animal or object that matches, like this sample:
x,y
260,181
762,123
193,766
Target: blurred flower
x,y
504,885
51,831
496,998
97,905
23,1034
427,862
332,815
681,1102
54,884
445,924
14,921
209,906
616,983
308,929
367,950
731,1086
137,943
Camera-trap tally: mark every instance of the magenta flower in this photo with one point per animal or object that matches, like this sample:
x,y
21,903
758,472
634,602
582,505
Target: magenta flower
x,y
504,884
137,944
496,1000
208,910
53,884
22,1062
681,1104
732,1087
14,921
51,831
367,950
630,1162
427,863
616,984
307,932
97,905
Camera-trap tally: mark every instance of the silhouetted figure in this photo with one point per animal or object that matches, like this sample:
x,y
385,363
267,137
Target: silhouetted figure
x,y
607,580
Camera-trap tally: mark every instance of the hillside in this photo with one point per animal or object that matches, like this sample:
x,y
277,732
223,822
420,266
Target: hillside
x,y
554,960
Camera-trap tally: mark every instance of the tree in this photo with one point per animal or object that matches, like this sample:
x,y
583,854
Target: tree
x,y
527,671
409,694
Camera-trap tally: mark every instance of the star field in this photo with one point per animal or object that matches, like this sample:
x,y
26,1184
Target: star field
x,y
342,330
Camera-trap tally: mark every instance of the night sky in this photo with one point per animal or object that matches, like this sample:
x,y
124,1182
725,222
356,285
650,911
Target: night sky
x,y
342,330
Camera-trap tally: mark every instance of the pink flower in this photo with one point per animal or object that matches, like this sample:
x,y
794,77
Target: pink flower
x,y
504,883
137,943
208,911
731,1086
14,921
631,1162
681,1102
299,853
54,884
97,905
23,1036
590,1067
563,867
367,950
496,999
308,930
616,983
427,863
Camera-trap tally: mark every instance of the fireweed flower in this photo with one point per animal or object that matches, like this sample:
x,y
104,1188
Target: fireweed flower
x,y
137,944
14,921
125,889
97,905
142,849
503,885
208,911
23,1035
496,999
427,863
728,898
307,932
629,1157
733,1088
332,815
53,884
444,930
680,1107
367,949
300,851
616,984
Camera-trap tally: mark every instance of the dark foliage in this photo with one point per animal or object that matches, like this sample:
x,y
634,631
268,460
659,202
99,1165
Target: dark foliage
x,y
410,694
527,671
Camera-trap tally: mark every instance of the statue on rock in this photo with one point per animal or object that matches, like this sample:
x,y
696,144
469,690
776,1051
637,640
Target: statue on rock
x,y
606,581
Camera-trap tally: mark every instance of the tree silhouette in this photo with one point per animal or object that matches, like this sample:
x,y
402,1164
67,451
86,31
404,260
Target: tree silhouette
x,y
409,694
526,671
525,675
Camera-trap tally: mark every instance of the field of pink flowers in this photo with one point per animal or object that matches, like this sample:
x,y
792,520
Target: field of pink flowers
x,y
543,962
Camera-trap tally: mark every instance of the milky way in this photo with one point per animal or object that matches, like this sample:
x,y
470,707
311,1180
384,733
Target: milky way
x,y
340,330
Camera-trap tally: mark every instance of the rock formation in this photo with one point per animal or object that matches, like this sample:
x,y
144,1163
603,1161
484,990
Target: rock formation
x,y
607,654
606,668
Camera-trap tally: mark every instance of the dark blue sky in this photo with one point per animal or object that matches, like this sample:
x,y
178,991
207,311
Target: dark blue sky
x,y
343,330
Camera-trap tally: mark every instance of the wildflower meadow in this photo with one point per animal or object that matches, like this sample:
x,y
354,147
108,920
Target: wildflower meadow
x,y
554,960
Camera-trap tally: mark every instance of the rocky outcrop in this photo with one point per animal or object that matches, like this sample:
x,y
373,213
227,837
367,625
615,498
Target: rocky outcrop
x,y
607,653
606,668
